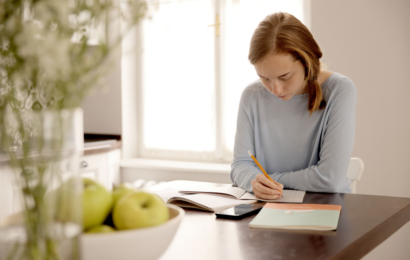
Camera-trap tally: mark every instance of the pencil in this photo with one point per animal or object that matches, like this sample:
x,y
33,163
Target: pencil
x,y
263,170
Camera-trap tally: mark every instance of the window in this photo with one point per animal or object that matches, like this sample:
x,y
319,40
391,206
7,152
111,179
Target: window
x,y
194,70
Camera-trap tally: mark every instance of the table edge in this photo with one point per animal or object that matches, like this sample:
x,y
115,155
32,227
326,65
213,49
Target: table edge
x,y
371,240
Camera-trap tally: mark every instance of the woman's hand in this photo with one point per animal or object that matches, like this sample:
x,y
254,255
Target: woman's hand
x,y
265,188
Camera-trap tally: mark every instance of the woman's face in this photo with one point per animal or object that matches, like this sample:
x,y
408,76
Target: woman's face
x,y
282,75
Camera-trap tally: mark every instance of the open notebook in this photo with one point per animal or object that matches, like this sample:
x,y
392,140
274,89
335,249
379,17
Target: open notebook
x,y
294,196
208,202
219,198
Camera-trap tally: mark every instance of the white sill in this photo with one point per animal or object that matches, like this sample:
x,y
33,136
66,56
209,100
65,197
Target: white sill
x,y
167,170
182,166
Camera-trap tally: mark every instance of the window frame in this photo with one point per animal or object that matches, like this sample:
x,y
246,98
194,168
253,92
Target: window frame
x,y
133,102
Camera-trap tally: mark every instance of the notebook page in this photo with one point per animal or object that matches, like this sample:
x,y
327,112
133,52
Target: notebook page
x,y
233,191
295,196
168,193
215,202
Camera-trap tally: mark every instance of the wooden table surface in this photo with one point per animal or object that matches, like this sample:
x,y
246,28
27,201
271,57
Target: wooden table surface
x,y
365,222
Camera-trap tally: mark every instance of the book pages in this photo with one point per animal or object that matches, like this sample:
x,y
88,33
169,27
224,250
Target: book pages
x,y
293,196
209,202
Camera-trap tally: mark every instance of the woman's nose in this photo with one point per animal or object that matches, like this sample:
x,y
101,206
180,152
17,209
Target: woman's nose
x,y
276,88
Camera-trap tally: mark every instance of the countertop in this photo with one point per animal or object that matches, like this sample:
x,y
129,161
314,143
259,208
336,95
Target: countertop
x,y
93,144
101,146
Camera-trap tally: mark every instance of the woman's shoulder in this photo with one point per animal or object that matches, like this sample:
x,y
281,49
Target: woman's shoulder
x,y
255,85
251,91
335,84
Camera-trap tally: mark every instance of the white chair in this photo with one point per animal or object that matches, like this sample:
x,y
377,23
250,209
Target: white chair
x,y
355,172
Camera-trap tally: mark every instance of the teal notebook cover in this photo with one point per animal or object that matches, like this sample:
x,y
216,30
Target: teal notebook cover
x,y
297,216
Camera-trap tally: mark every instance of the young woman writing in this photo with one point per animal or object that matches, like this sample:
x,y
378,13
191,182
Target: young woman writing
x,y
298,119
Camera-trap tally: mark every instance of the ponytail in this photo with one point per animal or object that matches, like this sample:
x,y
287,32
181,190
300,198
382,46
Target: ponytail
x,y
316,100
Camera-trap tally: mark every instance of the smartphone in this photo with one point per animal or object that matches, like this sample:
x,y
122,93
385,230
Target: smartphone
x,y
239,211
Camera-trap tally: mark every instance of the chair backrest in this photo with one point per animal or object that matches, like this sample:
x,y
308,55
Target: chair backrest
x,y
355,172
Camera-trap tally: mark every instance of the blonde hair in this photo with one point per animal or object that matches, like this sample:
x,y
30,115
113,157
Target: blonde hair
x,y
284,33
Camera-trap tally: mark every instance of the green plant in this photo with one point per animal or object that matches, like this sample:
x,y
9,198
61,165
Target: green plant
x,y
40,65
47,63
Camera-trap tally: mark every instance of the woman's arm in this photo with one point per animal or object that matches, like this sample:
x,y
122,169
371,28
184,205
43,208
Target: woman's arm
x,y
243,169
245,173
337,139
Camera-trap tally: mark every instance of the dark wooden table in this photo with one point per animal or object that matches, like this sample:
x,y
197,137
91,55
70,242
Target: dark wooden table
x,y
365,222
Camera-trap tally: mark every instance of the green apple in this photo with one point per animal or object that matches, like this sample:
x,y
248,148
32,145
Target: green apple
x,y
139,209
97,203
100,229
65,200
121,190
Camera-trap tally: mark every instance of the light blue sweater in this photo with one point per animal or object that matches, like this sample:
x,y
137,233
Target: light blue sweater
x,y
301,152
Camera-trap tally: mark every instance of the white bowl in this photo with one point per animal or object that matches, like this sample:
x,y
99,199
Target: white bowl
x,y
141,244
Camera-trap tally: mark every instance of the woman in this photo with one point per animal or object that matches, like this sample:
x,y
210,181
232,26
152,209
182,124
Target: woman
x,y
298,119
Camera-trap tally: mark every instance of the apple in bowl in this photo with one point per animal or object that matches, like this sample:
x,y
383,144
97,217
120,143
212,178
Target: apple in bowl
x,y
138,224
139,209
141,243
97,203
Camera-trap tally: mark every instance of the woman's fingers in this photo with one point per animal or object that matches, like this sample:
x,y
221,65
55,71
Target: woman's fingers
x,y
265,188
265,196
280,185
268,183
261,188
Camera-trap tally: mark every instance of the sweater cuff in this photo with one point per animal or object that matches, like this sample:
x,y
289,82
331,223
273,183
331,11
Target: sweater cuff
x,y
283,178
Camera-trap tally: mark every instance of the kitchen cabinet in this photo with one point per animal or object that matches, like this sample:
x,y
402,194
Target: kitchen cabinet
x,y
99,162
102,167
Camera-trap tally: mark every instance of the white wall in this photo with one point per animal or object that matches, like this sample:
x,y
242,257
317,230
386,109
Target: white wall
x,y
102,108
369,40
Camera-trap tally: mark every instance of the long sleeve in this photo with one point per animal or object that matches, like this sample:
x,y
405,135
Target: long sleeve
x,y
244,170
301,152
337,140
